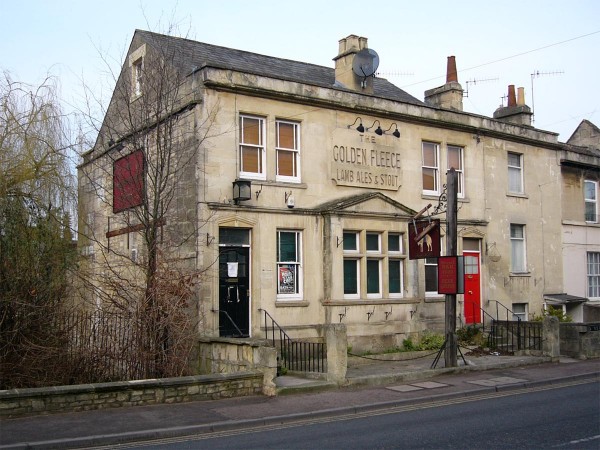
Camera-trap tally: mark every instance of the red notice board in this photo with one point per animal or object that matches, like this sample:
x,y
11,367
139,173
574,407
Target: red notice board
x,y
451,275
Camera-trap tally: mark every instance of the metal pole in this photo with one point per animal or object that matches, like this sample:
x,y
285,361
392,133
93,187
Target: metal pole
x,y
450,357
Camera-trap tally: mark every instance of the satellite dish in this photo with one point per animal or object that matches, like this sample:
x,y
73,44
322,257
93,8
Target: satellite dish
x,y
365,63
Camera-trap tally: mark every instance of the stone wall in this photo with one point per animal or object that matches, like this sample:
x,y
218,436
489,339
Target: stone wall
x,y
84,397
223,356
580,340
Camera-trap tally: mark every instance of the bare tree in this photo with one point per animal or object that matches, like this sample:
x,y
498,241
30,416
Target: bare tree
x,y
36,251
139,221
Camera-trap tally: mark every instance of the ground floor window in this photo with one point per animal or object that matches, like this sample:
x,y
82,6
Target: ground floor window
x,y
431,276
289,264
593,274
373,264
519,311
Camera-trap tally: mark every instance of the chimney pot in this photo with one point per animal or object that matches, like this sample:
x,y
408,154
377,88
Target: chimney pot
x,y
512,99
521,96
451,74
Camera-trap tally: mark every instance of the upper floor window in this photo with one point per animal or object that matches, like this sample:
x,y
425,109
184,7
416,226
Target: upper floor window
x,y
455,161
591,201
128,181
288,151
289,265
515,173
593,274
137,69
252,147
430,168
517,246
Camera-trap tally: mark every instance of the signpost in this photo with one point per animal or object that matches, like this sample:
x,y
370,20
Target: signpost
x,y
451,348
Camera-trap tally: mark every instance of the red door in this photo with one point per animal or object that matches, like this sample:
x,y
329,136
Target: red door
x,y
472,288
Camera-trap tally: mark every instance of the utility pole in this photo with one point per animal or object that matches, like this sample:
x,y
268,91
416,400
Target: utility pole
x,y
451,250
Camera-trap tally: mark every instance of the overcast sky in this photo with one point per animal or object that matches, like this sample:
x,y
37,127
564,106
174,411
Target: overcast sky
x,y
496,43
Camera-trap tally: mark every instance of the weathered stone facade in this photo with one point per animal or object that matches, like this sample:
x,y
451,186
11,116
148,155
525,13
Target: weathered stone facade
x,y
331,184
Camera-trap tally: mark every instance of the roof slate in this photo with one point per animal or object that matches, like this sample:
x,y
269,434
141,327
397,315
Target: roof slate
x,y
192,55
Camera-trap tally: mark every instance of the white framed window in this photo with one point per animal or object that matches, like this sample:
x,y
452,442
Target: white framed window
x,y
519,311
252,147
590,193
593,275
289,265
430,168
374,265
288,151
455,161
518,263
137,76
431,277
351,264
395,265
515,173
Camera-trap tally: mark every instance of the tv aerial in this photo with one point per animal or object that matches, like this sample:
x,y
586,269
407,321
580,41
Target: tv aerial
x,y
365,64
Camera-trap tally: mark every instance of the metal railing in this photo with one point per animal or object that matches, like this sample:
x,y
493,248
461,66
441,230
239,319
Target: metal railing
x,y
516,335
295,354
507,334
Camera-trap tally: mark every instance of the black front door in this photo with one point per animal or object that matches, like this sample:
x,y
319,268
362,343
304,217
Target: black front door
x,y
234,292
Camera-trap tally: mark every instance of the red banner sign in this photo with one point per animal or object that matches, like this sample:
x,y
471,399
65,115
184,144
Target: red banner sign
x,y
451,275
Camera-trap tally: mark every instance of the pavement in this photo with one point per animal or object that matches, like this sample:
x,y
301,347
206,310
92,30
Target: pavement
x,y
373,383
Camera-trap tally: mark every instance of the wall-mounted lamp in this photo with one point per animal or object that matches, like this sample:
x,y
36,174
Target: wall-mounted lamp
x,y
396,131
241,191
360,127
378,131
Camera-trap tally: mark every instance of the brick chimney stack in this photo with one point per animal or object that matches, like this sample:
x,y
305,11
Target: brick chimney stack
x,y
450,95
516,111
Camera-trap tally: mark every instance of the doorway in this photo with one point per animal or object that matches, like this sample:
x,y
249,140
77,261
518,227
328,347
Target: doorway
x,y
234,282
472,294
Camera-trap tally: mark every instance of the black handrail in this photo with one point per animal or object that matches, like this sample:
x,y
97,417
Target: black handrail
x,y
230,319
296,355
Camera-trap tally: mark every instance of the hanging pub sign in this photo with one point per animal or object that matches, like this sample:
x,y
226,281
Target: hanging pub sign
x,y
424,239
451,275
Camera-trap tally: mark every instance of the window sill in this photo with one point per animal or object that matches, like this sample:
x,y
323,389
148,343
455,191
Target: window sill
x,y
519,274
293,303
371,301
265,182
517,195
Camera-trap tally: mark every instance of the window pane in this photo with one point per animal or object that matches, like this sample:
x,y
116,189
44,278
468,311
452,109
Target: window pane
x,y
373,242
350,276
514,160
454,159
590,212
288,279
251,161
393,242
234,236
431,278
287,246
373,276
350,242
429,154
516,231
514,180
285,163
395,276
590,190
251,132
286,135
429,181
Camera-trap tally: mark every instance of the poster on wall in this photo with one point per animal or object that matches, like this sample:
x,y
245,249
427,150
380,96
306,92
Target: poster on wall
x,y
287,281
